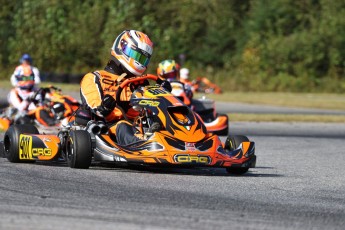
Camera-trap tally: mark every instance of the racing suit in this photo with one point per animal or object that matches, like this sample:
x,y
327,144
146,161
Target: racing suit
x,y
94,88
25,69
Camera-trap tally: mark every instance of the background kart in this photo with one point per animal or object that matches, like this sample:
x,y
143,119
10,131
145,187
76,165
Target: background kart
x,y
59,106
181,141
214,122
204,85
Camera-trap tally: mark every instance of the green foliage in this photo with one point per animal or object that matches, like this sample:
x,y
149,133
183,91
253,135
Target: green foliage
x,y
280,45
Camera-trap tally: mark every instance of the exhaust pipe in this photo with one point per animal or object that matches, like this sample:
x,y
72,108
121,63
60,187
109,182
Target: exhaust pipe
x,y
103,128
97,128
94,128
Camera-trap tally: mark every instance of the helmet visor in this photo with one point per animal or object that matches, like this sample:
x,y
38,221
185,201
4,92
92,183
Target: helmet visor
x,y
136,55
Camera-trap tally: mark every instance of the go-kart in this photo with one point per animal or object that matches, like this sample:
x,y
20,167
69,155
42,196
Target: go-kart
x,y
204,107
58,106
204,85
181,141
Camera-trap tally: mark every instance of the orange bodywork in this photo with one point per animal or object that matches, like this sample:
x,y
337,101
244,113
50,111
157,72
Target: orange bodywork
x,y
4,124
171,151
220,123
40,147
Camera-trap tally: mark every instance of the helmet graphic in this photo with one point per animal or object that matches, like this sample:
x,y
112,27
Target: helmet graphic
x,y
133,49
184,73
168,69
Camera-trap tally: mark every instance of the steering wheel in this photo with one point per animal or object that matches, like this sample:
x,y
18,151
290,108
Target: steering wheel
x,y
40,91
132,80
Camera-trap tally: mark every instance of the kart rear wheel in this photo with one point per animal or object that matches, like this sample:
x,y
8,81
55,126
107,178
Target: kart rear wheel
x,y
233,142
78,149
11,141
2,150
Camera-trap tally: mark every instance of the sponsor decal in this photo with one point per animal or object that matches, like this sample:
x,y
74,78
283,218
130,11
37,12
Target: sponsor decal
x,y
25,147
41,152
26,152
186,158
149,103
190,146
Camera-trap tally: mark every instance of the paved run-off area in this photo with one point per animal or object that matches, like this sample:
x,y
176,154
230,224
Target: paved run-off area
x,y
299,183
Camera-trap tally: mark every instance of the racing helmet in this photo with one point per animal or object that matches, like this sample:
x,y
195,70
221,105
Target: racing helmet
x,y
184,73
25,57
168,69
133,49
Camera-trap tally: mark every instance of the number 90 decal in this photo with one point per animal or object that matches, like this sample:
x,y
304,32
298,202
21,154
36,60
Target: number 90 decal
x,y
26,152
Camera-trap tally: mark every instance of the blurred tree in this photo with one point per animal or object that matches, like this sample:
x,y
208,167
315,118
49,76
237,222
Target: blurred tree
x,y
267,45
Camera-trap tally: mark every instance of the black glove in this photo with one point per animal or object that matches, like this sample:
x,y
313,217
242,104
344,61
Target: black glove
x,y
133,86
166,85
108,104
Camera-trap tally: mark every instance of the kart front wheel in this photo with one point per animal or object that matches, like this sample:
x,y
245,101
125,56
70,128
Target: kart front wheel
x,y
12,142
233,142
78,146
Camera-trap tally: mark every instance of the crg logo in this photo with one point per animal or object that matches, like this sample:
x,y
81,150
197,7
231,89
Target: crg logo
x,y
192,159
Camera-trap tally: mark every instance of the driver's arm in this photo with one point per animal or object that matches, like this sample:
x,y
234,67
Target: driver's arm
x,y
91,93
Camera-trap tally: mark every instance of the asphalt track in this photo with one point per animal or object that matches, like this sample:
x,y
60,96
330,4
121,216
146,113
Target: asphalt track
x,y
299,183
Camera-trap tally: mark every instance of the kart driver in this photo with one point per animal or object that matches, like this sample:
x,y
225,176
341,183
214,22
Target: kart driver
x,y
24,99
184,78
130,56
169,70
25,69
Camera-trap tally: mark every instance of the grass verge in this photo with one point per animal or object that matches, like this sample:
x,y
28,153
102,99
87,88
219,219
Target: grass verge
x,y
299,100
286,118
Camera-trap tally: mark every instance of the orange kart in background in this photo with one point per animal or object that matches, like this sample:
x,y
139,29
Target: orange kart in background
x,y
63,106
58,105
205,108
182,139
204,85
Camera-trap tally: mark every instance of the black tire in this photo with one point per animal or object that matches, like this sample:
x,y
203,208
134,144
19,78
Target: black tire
x,y
233,142
79,149
11,141
2,149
